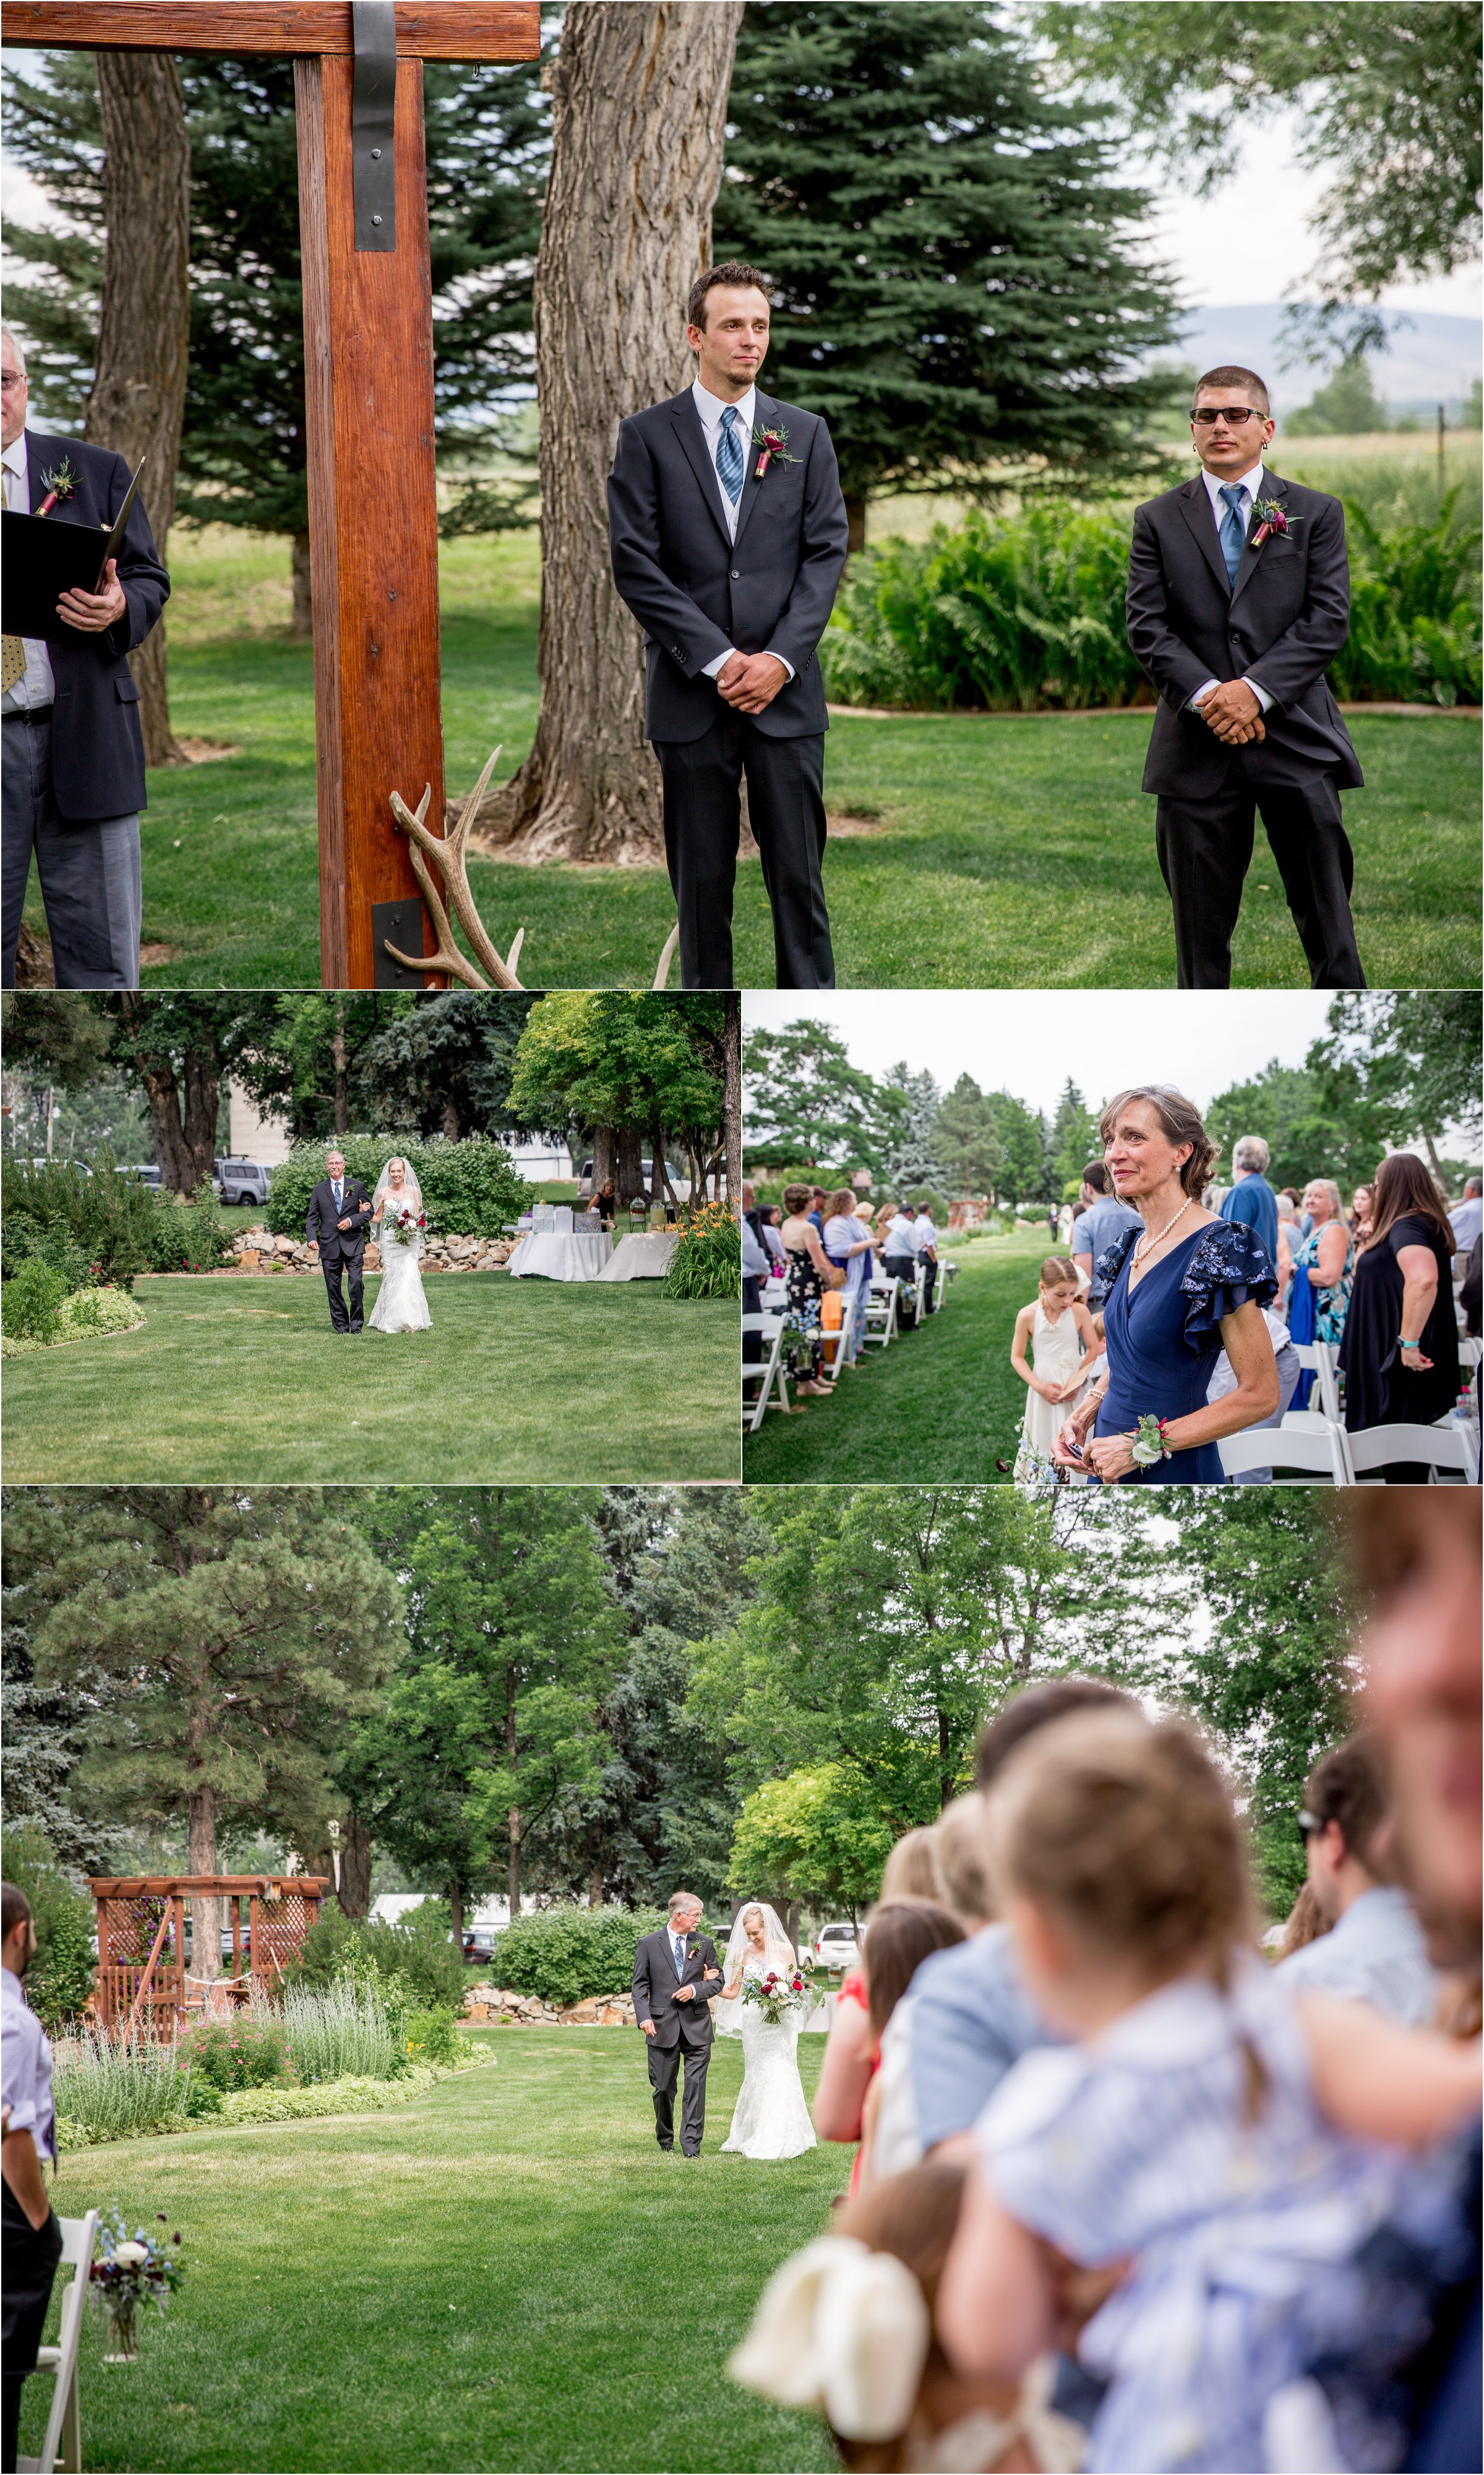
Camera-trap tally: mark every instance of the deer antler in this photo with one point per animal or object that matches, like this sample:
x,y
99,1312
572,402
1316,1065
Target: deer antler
x,y
449,852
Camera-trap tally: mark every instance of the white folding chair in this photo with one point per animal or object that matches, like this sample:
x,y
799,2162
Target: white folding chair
x,y
765,1371
1321,1358
1450,1452
774,1296
1315,1458
1469,1351
840,1344
64,2423
881,1310
920,1290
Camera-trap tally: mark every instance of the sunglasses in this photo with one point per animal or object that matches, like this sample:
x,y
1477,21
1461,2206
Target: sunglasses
x,y
1309,1825
1233,414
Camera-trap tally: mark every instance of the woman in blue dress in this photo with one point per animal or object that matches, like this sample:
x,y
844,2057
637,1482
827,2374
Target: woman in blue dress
x,y
1173,1298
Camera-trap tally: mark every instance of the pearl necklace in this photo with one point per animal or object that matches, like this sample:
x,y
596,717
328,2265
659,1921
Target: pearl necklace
x,y
1146,1241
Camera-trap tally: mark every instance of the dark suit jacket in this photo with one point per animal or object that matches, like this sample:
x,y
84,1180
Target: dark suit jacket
x,y
1287,615
694,593
323,1221
655,1983
97,750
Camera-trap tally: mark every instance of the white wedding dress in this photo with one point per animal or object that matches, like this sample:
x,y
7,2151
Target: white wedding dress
x,y
401,1303
772,2118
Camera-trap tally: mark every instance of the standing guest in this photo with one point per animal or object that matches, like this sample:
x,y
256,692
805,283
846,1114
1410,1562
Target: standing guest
x,y
1375,1952
1362,1204
897,1941
818,1206
809,1274
728,555
848,1244
1103,1219
1323,1267
1300,1214
1288,1237
1285,1359
756,1268
1467,1218
912,1871
1238,600
72,794
33,2237
900,1260
1399,1354
771,1220
925,1242
1250,1202
1052,1338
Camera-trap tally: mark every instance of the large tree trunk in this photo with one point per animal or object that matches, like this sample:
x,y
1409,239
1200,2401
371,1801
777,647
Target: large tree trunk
x,y
513,1812
456,1914
302,623
640,90
731,1095
201,1858
605,1156
631,1168
355,1892
137,401
342,1076
855,526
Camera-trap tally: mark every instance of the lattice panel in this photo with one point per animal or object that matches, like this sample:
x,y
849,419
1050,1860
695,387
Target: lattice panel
x,y
130,1926
279,1926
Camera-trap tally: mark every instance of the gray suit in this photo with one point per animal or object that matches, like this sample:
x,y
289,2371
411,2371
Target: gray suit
x,y
696,594
679,2028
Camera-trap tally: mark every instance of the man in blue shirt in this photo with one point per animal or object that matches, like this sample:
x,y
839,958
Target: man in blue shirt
x,y
33,2238
1105,1218
1251,1200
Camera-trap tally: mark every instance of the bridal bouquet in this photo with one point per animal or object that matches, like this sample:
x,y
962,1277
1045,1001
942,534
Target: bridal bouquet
x,y
133,2269
774,1993
401,1224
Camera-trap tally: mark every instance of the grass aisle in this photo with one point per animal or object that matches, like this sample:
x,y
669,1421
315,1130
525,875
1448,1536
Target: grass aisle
x,y
586,1382
1014,850
505,2274
946,1397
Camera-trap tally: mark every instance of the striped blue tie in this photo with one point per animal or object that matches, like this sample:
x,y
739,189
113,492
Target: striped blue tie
x,y
1233,529
729,456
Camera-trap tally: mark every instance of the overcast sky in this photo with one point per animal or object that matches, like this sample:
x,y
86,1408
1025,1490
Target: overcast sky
x,y
1028,1040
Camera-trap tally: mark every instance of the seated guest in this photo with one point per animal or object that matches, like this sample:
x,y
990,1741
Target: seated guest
x,y
1376,1951
605,1202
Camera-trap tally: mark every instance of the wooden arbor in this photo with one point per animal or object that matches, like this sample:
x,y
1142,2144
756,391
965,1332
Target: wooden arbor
x,y
142,1977
369,371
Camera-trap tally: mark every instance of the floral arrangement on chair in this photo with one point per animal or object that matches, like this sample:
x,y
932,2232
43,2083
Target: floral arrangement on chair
x,y
133,2269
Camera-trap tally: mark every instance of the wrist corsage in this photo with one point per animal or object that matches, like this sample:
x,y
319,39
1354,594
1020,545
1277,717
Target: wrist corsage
x,y
1149,1443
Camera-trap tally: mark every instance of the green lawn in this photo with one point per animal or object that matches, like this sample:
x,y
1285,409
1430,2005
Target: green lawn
x,y
943,1402
517,1379
505,2275
1012,850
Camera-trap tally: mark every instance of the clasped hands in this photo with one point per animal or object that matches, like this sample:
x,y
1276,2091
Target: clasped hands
x,y
1109,1457
749,681
1234,712
95,612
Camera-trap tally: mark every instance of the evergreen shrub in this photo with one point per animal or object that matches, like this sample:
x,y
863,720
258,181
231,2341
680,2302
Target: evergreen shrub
x,y
564,1954
469,1188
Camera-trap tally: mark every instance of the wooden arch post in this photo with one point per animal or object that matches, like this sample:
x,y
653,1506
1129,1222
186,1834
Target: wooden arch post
x,y
369,387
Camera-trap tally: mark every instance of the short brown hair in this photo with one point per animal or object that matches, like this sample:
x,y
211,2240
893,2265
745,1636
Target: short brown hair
x,y
961,1859
15,1910
732,271
1347,1787
898,1939
1035,1708
1180,1121
1096,1175
1231,374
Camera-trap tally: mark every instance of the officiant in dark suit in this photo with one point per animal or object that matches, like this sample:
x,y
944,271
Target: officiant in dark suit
x,y
727,549
676,1975
73,751
336,1222
1238,596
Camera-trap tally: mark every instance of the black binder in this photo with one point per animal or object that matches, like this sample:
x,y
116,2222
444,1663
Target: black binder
x,y
44,558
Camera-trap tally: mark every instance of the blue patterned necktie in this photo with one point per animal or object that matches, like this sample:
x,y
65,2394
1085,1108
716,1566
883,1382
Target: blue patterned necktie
x,y
1233,529
729,456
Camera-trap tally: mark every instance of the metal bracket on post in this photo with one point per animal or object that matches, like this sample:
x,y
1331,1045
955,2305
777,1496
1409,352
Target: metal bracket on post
x,y
400,924
372,123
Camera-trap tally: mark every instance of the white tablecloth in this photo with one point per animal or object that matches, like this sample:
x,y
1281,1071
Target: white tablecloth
x,y
641,1256
577,1256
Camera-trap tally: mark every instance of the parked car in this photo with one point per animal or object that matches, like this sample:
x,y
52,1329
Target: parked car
x,y
836,1946
479,1944
147,1174
243,1181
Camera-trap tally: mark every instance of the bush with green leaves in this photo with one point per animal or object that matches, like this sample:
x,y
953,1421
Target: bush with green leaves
x,y
248,2050
707,1261
87,1316
344,2032
191,1236
61,1976
431,2036
117,2087
564,1954
31,1303
469,1188
413,1963
1027,613
108,1216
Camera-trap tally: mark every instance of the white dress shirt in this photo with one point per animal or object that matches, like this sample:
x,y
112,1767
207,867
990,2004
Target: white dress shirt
x,y
26,2068
1377,1953
36,686
1251,481
756,1262
924,1234
711,410
901,1235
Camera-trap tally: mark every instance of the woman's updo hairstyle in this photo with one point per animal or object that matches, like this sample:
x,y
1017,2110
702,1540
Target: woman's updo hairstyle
x,y
795,1198
748,1916
1125,1834
1180,1123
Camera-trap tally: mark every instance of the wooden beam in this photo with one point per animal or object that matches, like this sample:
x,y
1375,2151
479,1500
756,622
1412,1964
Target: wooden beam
x,y
429,30
373,517
149,1970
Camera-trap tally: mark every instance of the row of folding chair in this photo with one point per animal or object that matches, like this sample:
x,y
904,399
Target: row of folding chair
x,y
1310,1449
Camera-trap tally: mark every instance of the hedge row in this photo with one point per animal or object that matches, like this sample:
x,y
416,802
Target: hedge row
x,y
469,1188
565,1955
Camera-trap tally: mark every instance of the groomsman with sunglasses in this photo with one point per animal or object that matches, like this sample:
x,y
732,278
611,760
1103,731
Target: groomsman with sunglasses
x,y
1238,597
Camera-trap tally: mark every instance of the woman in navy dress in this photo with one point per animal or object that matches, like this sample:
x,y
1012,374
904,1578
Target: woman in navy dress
x,y
1173,1298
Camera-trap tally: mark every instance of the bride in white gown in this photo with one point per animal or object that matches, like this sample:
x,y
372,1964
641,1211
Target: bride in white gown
x,y
771,2118
401,1305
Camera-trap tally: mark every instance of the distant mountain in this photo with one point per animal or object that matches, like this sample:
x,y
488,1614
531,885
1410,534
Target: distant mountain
x,y
1431,358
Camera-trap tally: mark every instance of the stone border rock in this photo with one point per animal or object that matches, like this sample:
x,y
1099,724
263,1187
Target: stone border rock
x,y
257,1250
493,2004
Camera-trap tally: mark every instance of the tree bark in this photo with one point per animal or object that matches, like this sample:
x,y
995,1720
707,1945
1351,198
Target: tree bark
x,y
639,90
355,1893
201,1858
342,1078
631,1168
302,624
513,1812
137,401
456,1914
605,1156
731,1095
596,1886
855,526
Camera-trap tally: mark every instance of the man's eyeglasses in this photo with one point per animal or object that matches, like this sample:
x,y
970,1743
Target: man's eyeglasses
x,y
10,378
1233,414
1309,1825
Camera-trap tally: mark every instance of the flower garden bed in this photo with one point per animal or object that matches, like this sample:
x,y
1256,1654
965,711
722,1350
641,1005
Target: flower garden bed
x,y
254,2105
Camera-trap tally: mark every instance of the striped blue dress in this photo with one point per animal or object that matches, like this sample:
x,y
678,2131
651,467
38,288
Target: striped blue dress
x,y
1137,2149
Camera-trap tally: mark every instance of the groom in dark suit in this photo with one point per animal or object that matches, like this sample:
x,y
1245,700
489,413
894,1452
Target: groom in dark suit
x,y
676,1977
1238,596
728,550
337,1220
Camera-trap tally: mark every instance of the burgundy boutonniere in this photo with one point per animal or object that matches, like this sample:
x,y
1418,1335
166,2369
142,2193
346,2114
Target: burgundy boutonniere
x,y
773,444
1274,519
59,484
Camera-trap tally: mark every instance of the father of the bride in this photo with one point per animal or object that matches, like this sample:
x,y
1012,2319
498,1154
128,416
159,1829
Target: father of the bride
x,y
676,1973
1238,596
337,1220
728,535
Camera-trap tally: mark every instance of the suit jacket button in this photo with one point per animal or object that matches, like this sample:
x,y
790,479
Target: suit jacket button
x,y
736,574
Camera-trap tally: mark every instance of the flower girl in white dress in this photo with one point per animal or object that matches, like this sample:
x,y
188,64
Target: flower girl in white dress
x,y
771,2118
396,1216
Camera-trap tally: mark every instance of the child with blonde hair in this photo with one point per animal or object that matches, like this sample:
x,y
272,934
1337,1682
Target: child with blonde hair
x,y
1208,2138
1057,1329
